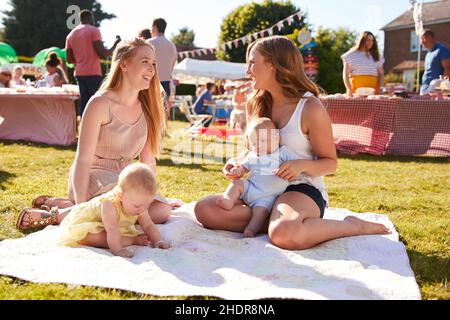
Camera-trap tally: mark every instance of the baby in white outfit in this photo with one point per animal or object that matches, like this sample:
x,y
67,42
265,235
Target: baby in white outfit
x,y
262,187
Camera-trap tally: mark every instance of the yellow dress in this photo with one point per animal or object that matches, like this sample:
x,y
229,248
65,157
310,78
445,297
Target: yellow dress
x,y
87,218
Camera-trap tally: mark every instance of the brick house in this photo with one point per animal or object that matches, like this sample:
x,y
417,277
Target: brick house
x,y
401,42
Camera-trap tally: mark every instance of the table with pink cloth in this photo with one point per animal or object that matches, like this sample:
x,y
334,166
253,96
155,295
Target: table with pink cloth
x,y
48,118
390,126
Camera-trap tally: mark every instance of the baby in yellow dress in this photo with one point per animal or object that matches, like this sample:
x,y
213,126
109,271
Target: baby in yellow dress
x,y
108,221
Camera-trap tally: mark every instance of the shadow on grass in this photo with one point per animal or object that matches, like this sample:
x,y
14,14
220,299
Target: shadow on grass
x,y
38,145
170,163
401,159
4,178
429,269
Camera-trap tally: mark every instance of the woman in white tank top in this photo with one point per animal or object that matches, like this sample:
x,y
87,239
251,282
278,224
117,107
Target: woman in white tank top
x,y
285,95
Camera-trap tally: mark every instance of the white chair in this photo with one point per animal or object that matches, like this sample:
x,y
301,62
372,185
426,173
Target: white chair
x,y
197,121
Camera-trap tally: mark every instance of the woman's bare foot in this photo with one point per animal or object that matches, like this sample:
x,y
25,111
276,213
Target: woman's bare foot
x,y
367,228
50,202
225,203
141,240
249,233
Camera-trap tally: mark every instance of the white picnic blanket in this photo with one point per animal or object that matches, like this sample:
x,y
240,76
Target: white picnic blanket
x,y
223,264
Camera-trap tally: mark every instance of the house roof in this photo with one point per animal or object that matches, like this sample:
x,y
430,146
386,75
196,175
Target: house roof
x,y
408,65
433,12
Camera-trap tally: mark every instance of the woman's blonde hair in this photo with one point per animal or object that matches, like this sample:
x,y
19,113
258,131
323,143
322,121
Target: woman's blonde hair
x,y
286,58
151,98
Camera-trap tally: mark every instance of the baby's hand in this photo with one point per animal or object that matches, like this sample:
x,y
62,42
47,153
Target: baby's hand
x,y
236,171
124,253
162,244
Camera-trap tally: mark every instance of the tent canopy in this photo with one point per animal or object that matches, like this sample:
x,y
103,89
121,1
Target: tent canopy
x,y
41,57
7,54
209,69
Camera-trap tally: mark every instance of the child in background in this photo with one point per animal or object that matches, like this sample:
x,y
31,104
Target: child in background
x,y
262,187
18,79
108,221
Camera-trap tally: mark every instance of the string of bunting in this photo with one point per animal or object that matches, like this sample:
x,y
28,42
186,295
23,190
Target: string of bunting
x,y
244,40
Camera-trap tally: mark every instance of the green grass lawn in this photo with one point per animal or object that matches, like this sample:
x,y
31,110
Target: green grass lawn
x,y
412,191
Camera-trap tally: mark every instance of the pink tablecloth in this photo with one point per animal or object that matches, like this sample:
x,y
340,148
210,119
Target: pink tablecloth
x,y
390,126
43,118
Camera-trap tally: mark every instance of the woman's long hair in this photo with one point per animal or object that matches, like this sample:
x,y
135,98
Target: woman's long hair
x,y
361,45
150,99
286,58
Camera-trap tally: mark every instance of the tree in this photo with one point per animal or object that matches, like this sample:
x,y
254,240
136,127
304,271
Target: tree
x,y
2,35
251,18
31,26
185,37
332,44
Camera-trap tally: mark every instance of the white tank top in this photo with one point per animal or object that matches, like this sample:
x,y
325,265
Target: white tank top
x,y
293,138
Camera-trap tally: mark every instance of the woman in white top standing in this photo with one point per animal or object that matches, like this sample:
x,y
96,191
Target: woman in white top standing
x,y
363,65
284,94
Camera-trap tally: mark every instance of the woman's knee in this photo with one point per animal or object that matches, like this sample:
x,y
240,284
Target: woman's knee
x,y
203,210
288,235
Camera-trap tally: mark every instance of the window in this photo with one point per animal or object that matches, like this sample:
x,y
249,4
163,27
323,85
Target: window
x,y
414,42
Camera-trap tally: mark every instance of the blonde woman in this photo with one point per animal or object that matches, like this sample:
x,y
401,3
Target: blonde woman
x,y
284,94
123,121
363,65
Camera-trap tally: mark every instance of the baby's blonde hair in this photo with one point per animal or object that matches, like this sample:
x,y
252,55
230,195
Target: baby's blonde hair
x,y
137,177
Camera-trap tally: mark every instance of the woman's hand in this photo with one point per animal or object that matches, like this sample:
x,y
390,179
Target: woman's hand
x,y
290,170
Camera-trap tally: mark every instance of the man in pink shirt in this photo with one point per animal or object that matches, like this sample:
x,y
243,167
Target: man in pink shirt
x,y
85,49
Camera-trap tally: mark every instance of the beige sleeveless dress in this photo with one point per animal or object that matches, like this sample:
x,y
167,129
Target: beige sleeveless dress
x,y
119,143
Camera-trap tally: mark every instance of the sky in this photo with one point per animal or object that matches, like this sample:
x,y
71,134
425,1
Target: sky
x,y
205,16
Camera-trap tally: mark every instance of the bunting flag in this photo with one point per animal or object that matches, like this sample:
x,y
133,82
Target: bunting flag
x,y
245,39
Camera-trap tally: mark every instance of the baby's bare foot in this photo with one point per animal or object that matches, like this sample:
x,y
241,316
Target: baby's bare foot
x,y
368,228
249,233
225,203
141,240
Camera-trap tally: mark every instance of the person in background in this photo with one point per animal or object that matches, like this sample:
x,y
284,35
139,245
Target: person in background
x,y
5,77
363,65
145,34
437,60
166,58
18,79
238,117
200,89
55,74
85,49
206,96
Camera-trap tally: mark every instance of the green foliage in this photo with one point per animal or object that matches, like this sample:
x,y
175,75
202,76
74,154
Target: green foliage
x,y
331,45
31,26
393,78
185,37
251,18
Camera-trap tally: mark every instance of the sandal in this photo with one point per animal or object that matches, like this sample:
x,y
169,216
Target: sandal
x,y
47,219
